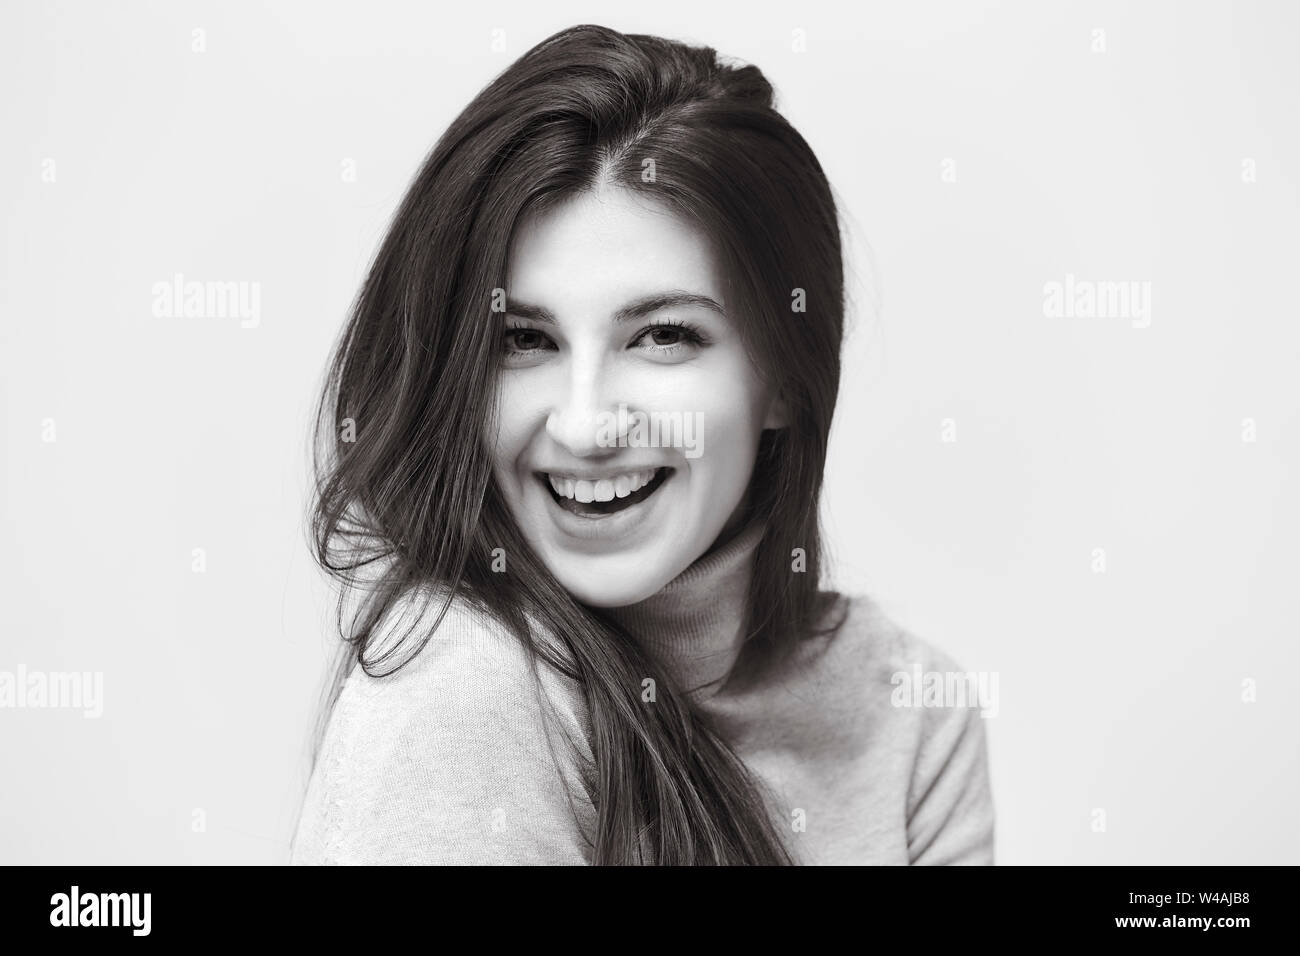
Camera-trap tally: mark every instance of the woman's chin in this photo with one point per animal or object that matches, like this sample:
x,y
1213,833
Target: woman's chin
x,y
611,591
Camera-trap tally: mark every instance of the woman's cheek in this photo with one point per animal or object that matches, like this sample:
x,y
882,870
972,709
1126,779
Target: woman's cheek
x,y
518,411
508,440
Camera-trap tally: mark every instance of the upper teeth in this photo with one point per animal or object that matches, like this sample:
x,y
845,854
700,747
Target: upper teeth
x,y
606,489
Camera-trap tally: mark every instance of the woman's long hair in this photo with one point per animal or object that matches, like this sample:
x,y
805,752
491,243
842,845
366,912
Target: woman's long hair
x,y
405,489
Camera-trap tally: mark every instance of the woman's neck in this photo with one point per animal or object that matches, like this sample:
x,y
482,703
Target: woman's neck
x,y
694,625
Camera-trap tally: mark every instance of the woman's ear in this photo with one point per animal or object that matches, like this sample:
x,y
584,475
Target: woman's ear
x,y
778,412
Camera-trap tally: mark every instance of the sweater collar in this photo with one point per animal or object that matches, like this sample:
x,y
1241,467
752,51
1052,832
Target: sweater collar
x,y
695,624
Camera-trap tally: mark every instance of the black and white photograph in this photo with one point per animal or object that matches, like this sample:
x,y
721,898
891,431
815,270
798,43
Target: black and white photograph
x,y
515,434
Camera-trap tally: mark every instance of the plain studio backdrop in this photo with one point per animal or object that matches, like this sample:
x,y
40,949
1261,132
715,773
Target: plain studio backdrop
x,y
1097,505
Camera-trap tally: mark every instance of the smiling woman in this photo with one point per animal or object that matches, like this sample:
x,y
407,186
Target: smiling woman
x,y
573,638
607,323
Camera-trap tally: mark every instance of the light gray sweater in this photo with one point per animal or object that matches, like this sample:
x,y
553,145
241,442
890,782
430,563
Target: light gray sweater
x,y
450,759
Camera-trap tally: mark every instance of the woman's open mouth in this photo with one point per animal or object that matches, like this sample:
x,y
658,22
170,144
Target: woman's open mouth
x,y
606,496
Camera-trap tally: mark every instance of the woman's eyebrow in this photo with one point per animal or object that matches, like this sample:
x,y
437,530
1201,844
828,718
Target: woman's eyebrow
x,y
665,300
646,305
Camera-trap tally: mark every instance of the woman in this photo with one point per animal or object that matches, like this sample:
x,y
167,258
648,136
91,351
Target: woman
x,y
575,430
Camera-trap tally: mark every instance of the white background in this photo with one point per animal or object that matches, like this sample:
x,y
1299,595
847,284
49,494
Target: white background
x,y
1120,691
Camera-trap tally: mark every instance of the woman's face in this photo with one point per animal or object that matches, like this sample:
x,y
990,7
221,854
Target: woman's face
x,y
629,410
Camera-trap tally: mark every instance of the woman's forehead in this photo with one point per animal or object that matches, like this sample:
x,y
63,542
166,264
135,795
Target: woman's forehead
x,y
613,242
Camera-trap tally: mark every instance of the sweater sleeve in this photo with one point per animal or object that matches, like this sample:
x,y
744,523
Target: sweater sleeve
x,y
950,803
456,758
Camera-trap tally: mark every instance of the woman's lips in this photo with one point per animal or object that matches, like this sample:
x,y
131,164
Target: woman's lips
x,y
604,488
619,493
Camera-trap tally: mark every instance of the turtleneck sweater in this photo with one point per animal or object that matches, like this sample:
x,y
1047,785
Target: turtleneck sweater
x,y
456,759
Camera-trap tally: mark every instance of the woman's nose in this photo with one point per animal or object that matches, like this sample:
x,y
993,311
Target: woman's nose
x,y
582,420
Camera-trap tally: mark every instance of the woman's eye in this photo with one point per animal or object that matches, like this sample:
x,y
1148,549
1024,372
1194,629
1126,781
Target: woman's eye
x,y
665,336
524,340
519,342
668,337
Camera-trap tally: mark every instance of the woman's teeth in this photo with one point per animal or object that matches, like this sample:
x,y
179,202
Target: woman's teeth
x,y
606,489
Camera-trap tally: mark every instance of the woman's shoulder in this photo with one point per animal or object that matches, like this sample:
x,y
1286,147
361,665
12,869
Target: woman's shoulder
x,y
430,631
442,657
932,714
449,746
903,685
861,634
